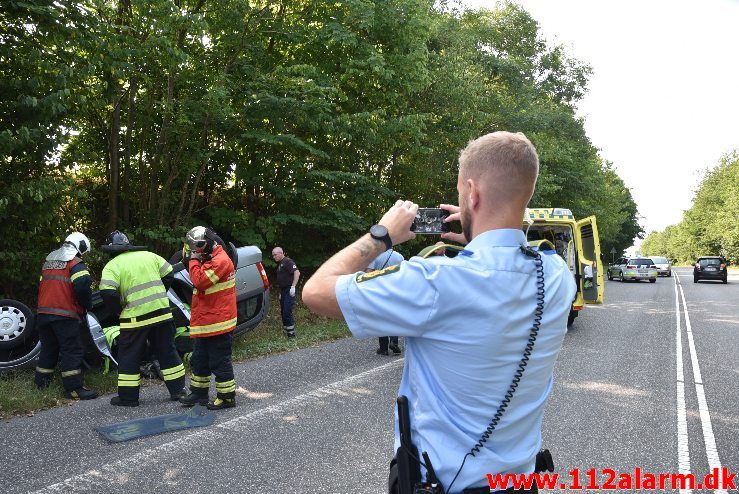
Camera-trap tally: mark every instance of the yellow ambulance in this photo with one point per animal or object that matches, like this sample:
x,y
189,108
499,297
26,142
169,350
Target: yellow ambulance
x,y
578,244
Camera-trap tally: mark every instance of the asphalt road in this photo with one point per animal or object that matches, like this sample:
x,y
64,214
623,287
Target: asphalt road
x,y
319,420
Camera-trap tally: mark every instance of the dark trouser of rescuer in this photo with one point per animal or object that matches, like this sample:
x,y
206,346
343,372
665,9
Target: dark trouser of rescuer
x,y
61,343
131,350
211,355
286,311
388,342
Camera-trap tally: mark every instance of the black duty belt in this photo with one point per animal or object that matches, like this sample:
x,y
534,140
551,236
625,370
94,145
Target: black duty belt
x,y
147,316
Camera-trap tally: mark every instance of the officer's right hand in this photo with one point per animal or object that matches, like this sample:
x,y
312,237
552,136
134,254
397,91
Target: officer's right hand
x,y
454,215
398,221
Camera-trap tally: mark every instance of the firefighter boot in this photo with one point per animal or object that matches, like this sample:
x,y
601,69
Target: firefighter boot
x,y
221,403
194,399
81,393
120,402
178,396
43,378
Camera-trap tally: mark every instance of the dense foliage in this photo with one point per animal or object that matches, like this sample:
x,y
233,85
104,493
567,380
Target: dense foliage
x,y
294,122
710,226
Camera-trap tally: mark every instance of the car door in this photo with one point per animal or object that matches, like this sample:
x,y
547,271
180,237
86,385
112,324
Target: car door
x,y
587,243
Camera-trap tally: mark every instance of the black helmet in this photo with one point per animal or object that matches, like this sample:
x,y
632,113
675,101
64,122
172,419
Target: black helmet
x,y
117,238
117,242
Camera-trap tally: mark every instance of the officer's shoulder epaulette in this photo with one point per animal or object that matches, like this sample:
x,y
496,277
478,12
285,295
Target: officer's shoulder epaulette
x,y
375,274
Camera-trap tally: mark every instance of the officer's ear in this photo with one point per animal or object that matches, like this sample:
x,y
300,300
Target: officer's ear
x,y
472,190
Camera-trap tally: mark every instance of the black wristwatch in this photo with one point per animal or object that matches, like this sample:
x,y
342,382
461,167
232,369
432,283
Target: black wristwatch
x,y
379,232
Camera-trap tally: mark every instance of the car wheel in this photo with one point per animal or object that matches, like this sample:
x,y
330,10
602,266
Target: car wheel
x,y
652,280
16,323
621,276
669,273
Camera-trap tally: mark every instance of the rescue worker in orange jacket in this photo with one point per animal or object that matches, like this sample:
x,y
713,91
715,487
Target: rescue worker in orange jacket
x,y
65,292
212,319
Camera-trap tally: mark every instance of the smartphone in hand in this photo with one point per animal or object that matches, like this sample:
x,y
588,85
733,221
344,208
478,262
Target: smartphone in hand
x,y
430,221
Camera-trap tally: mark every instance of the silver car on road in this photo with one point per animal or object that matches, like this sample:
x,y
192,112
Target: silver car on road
x,y
664,266
633,268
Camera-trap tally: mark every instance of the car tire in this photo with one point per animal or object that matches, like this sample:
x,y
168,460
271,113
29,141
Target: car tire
x,y
621,276
653,281
669,273
16,323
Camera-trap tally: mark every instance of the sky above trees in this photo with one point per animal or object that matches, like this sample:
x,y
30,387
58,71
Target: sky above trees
x,y
662,99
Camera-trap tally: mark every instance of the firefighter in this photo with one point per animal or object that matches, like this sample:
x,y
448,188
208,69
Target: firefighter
x,y
65,293
212,319
135,283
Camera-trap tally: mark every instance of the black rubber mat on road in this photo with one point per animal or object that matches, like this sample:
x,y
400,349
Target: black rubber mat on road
x,y
197,416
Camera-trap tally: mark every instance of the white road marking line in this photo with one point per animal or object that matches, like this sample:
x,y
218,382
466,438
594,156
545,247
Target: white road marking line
x,y
119,471
683,449
709,439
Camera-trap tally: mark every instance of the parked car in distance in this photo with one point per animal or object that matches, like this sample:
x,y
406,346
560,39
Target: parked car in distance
x,y
710,268
633,268
664,266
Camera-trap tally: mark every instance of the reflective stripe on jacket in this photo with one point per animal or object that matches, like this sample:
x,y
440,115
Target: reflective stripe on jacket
x,y
213,308
56,293
137,277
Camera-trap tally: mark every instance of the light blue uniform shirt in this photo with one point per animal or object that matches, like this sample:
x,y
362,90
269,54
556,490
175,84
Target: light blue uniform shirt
x,y
466,321
386,259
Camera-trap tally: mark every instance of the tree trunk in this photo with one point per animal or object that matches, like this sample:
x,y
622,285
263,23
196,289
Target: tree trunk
x,y
161,144
126,193
114,163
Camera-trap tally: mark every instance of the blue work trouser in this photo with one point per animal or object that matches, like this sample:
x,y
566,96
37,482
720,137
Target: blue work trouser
x,y
286,308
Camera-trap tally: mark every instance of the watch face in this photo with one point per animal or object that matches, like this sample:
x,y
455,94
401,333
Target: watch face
x,y
378,231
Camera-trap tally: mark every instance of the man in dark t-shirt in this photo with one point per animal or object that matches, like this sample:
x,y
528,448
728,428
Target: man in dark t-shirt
x,y
287,279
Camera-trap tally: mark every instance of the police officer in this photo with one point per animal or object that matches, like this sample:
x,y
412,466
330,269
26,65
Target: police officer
x,y
384,260
212,320
287,279
467,320
135,283
64,294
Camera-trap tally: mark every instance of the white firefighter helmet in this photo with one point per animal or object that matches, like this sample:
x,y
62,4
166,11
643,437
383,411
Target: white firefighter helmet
x,y
199,239
79,241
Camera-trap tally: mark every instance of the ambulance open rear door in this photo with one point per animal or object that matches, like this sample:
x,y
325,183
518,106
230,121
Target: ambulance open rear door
x,y
588,249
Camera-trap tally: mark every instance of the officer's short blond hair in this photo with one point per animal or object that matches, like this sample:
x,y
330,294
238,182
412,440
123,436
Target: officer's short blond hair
x,y
506,160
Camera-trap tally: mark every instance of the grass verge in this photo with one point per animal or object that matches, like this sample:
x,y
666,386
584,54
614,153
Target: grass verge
x,y
19,396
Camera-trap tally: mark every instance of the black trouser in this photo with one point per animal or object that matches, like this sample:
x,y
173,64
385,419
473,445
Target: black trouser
x,y
131,349
286,309
212,355
392,485
384,340
60,341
